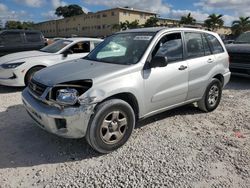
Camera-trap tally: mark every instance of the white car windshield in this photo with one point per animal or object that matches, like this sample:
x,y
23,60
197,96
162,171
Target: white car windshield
x,y
122,48
56,46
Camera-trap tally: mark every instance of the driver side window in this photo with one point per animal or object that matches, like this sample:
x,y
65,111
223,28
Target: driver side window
x,y
80,47
170,46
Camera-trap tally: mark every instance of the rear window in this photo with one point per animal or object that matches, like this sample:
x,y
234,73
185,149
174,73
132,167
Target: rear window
x,y
194,45
33,37
10,37
214,44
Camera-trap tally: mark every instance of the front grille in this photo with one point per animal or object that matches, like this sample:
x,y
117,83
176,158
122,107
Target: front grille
x,y
37,88
240,58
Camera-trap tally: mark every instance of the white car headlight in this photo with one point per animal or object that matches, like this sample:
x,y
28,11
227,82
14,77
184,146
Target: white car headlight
x,y
11,65
67,96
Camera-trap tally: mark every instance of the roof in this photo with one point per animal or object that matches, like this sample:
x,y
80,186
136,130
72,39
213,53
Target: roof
x,y
128,9
75,39
147,29
157,29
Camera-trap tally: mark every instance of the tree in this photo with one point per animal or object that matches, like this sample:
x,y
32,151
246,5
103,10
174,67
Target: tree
x,y
13,25
69,11
188,20
28,25
214,22
151,22
241,25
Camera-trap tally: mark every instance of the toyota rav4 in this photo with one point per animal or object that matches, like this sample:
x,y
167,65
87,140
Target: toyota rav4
x,y
132,75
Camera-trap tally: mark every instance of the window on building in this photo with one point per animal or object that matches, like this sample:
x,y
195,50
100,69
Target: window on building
x,y
104,15
112,13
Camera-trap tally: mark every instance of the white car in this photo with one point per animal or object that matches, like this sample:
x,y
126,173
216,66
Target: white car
x,y
17,69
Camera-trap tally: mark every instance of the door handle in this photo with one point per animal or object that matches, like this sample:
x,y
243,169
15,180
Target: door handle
x,y
182,67
210,60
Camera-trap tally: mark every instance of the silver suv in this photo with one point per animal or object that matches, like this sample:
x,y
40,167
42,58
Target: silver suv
x,y
131,75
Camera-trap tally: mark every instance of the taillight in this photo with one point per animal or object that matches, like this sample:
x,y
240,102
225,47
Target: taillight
x,y
229,59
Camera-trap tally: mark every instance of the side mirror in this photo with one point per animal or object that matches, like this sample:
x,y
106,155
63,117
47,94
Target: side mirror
x,y
66,53
158,61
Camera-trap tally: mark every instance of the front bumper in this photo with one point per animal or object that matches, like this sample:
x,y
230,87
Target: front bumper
x,y
71,122
11,77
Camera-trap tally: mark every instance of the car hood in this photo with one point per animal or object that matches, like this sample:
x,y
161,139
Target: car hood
x,y
238,48
80,69
21,56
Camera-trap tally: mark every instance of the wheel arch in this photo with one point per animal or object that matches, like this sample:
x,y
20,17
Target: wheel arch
x,y
129,98
220,78
25,77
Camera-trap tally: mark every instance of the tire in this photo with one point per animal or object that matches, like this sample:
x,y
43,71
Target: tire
x,y
212,96
110,126
30,74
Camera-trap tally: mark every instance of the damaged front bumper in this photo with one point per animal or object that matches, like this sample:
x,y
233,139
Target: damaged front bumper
x,y
70,122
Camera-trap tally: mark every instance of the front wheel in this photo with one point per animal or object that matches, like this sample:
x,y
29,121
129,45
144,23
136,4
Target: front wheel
x,y
212,96
111,125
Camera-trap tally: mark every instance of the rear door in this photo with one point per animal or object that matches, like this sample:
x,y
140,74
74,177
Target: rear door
x,y
200,61
166,86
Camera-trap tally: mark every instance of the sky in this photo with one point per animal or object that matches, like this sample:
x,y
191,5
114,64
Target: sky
x,y
42,10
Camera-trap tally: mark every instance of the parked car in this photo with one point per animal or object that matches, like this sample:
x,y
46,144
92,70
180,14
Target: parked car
x,y
239,53
20,40
132,75
17,69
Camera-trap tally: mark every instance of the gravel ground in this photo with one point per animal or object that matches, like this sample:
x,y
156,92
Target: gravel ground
x,y
179,148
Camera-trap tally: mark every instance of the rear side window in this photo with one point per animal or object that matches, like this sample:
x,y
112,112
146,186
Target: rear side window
x,y
194,45
33,37
11,38
214,44
170,46
206,46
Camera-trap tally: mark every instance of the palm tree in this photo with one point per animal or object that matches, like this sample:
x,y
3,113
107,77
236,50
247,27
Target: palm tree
x,y
241,25
214,22
188,20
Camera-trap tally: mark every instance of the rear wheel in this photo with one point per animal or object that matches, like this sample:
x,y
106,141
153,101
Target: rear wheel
x,y
212,96
31,73
111,126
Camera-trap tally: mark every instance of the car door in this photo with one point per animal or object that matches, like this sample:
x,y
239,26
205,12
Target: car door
x,y
200,61
166,86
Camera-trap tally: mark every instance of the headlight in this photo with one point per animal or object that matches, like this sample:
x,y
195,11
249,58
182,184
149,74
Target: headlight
x,y
67,96
11,65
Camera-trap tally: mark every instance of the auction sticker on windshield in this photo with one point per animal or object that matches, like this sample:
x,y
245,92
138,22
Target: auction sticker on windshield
x,y
142,37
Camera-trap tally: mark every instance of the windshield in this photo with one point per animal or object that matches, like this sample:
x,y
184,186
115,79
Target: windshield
x,y
122,48
56,46
243,38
